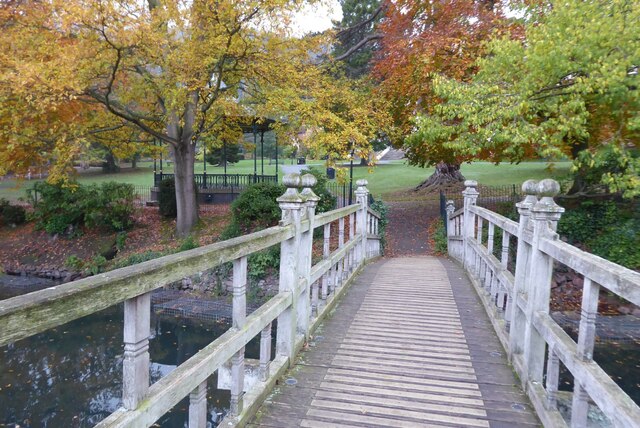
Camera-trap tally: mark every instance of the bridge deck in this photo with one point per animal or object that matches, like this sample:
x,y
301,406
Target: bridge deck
x,y
409,346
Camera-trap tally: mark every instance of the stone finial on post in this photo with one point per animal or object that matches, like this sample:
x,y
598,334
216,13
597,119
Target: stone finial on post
x,y
470,194
545,215
450,210
291,204
517,317
362,198
304,270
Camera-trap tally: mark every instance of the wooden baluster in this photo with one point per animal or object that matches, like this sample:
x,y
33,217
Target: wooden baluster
x,y
239,320
265,352
504,298
553,376
588,314
579,406
352,233
480,227
135,365
198,406
326,250
305,311
314,298
341,271
490,238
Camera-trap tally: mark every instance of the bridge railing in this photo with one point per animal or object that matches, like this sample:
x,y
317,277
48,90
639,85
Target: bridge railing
x,y
517,300
297,308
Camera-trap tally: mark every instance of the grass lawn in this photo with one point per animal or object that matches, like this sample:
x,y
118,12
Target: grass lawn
x,y
383,179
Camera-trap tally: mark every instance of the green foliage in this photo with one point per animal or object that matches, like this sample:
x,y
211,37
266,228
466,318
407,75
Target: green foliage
x,y
59,209
570,86
13,214
74,262
611,167
260,263
255,209
383,209
218,156
121,241
137,258
167,198
96,265
605,229
189,243
440,238
327,200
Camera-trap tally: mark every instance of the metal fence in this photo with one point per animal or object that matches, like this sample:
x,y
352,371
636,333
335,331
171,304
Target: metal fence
x,y
219,181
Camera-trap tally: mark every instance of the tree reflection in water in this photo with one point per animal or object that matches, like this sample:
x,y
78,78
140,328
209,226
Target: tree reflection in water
x,y
71,376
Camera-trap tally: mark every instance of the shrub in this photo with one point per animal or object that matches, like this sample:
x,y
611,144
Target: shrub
x,y
254,209
74,262
13,214
137,258
189,243
167,198
59,209
440,238
383,209
96,264
261,262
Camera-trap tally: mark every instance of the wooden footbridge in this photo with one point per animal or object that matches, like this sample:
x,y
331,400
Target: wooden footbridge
x,y
362,341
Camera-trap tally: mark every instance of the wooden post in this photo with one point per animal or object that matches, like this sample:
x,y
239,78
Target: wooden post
x,y
545,215
579,406
362,199
306,248
265,352
341,269
588,313
517,317
504,261
291,205
490,238
198,406
239,320
470,197
135,365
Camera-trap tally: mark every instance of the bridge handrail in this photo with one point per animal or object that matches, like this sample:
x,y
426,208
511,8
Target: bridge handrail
x,y
306,294
516,292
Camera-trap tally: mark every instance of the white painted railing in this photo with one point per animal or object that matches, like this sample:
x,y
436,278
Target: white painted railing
x,y
518,304
298,308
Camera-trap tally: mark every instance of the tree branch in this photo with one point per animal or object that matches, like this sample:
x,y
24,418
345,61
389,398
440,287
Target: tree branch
x,y
358,46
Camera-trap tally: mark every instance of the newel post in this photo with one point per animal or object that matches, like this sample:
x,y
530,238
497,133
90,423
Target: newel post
x,y
291,204
449,224
304,302
470,197
362,198
545,215
523,252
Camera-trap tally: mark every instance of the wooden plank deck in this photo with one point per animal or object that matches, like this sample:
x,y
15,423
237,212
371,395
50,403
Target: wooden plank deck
x,y
409,346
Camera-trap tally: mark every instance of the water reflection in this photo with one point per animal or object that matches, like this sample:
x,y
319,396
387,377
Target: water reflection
x,y
71,376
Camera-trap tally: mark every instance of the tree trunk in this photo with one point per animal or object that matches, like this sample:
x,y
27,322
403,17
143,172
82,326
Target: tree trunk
x,y
445,175
186,193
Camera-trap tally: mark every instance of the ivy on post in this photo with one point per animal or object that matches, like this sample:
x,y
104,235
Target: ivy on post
x,y
470,197
545,215
311,202
517,317
291,204
362,198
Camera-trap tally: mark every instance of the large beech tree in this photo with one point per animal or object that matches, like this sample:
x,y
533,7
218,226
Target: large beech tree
x,y
164,70
569,88
422,39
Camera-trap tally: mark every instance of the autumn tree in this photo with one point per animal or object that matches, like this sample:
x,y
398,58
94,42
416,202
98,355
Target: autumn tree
x,y
422,39
168,70
570,89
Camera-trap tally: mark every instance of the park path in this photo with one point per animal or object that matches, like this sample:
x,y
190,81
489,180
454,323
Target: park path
x,y
407,229
409,346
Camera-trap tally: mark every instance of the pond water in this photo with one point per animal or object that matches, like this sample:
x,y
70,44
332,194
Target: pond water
x,y
71,376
